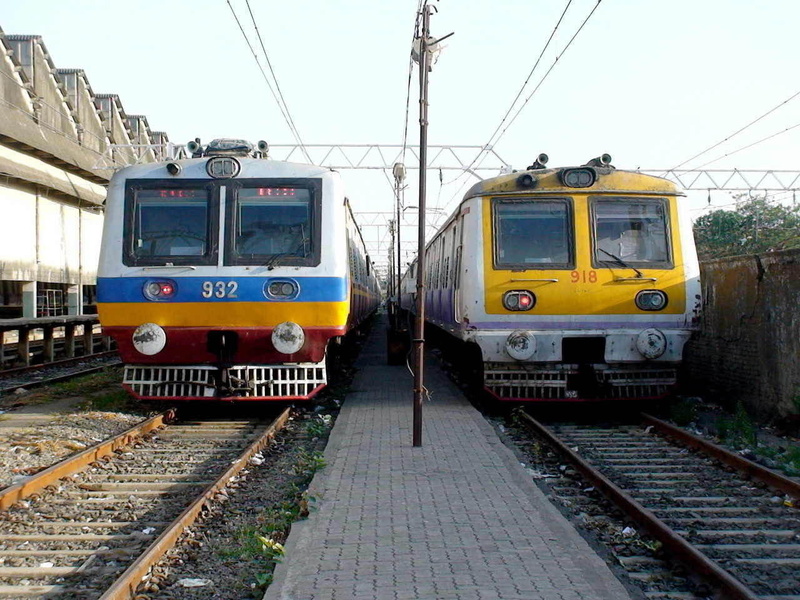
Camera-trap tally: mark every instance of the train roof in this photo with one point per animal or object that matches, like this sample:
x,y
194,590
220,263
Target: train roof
x,y
195,168
607,179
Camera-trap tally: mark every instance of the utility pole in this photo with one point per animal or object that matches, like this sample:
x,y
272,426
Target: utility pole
x,y
393,280
419,324
426,45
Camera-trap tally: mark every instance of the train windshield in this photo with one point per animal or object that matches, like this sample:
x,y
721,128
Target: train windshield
x,y
533,234
170,225
632,231
273,225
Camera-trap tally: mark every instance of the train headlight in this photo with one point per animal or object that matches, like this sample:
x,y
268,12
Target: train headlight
x,y
651,300
519,300
578,178
288,337
521,345
651,343
281,289
149,339
223,167
159,289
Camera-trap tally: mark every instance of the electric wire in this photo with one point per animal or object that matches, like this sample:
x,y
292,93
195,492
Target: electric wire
x,y
266,79
482,154
769,137
513,103
530,74
275,78
555,62
735,133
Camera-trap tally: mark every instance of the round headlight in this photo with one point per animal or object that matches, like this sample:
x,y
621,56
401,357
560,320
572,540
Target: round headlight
x,y
521,345
162,289
578,178
288,337
149,339
281,289
651,300
223,167
519,300
651,343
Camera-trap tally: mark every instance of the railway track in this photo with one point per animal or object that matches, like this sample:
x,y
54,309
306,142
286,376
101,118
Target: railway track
x,y
27,378
725,518
88,533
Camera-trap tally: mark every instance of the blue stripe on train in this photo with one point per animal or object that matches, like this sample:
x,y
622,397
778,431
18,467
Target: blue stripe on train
x,y
248,289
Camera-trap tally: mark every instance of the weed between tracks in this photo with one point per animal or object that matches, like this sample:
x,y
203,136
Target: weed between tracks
x,y
231,554
263,542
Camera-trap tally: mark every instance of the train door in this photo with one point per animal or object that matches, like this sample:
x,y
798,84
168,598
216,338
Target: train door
x,y
458,244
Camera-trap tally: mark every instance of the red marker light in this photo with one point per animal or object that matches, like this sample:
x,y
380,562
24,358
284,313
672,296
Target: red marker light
x,y
524,301
167,289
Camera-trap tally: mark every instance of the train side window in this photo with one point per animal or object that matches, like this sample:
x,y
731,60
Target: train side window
x,y
632,230
533,234
168,224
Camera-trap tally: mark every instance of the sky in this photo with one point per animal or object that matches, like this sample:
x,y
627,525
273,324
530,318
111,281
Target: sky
x,y
651,82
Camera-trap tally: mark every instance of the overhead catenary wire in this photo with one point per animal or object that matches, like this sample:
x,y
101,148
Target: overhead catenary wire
x,y
530,74
514,102
269,84
482,154
738,131
275,78
769,137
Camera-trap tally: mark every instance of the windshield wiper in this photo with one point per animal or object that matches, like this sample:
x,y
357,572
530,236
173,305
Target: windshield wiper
x,y
622,262
270,264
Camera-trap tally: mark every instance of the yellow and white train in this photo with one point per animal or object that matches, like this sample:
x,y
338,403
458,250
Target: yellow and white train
x,y
566,284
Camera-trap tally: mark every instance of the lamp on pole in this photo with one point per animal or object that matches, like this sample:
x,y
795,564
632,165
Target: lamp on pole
x,y
399,172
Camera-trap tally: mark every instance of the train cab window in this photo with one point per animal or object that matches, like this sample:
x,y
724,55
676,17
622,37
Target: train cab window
x,y
168,224
274,225
632,231
533,234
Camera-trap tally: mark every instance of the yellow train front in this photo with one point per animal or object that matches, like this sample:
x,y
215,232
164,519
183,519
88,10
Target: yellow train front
x,y
568,284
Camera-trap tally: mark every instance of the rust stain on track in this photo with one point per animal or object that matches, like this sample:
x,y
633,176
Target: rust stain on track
x,y
124,588
73,464
732,588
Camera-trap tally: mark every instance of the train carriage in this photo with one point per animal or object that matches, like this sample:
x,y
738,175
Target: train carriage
x,y
228,276
567,284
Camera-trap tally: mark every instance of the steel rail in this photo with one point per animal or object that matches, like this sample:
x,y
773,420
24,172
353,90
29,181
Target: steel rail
x,y
732,588
124,588
63,362
72,464
58,379
740,463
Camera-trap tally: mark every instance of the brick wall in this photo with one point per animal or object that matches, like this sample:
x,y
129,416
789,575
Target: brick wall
x,y
749,346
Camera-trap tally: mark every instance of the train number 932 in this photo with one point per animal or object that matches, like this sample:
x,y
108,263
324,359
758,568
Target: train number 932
x,y
220,289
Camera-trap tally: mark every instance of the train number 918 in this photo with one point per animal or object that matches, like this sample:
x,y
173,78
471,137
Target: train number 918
x,y
583,277
220,289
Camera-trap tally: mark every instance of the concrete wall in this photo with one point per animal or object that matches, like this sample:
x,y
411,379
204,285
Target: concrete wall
x,y
749,347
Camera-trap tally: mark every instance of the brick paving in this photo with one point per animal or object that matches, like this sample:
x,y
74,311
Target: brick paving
x,y
457,518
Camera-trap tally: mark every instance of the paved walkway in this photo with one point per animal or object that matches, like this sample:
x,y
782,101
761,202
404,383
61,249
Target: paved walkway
x,y
457,518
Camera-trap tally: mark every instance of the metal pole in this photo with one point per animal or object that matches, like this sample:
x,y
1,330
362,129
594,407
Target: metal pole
x,y
399,172
419,325
398,272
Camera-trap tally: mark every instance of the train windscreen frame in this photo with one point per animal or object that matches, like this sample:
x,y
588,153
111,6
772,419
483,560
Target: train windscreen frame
x,y
533,233
630,230
274,222
170,222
